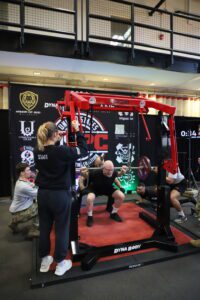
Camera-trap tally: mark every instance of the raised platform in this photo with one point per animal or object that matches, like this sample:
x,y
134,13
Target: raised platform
x,y
106,232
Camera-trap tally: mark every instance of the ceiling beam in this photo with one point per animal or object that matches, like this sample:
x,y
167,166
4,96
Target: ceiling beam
x,y
156,7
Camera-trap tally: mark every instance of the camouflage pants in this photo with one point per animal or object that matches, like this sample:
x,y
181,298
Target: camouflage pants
x,y
26,215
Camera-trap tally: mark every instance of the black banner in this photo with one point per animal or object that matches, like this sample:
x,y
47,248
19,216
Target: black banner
x,y
111,133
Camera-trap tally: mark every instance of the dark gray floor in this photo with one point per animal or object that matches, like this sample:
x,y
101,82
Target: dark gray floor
x,y
176,279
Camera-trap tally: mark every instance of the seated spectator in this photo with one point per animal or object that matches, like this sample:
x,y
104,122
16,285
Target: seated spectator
x,y
146,192
178,185
24,206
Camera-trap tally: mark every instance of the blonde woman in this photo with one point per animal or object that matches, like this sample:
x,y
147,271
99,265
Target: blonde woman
x,y
54,194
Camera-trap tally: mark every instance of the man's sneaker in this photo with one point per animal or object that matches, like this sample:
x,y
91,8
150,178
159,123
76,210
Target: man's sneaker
x,y
90,221
195,243
63,267
180,219
116,217
45,263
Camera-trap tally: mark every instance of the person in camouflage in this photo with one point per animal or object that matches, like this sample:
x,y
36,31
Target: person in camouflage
x,y
24,206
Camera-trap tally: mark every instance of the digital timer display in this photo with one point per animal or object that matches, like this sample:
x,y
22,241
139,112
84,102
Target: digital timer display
x,y
190,133
191,130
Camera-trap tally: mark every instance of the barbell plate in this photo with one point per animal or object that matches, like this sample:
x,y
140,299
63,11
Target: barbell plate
x,y
144,167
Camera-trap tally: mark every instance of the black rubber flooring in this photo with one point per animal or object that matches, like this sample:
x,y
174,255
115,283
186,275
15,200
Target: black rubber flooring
x,y
172,279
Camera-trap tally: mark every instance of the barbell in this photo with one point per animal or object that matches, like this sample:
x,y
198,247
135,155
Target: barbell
x,y
143,169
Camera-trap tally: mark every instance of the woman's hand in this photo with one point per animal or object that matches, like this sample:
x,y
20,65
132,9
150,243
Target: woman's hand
x,y
75,125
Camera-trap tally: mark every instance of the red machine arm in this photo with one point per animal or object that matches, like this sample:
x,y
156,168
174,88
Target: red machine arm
x,y
76,101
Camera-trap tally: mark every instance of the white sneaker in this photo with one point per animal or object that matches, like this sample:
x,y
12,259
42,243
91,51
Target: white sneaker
x,y
63,267
45,263
180,219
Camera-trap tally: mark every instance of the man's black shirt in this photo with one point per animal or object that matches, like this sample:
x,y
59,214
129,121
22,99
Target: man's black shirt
x,y
100,183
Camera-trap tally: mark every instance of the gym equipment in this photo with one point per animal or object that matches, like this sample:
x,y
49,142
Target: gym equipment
x,y
144,168
163,237
74,102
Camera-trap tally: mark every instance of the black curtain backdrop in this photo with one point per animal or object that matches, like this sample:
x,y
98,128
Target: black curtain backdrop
x,y
120,136
5,187
187,131
114,134
188,141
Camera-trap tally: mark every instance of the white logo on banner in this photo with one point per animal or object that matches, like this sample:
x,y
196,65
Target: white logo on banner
x,y
27,130
27,155
49,105
125,116
123,153
119,129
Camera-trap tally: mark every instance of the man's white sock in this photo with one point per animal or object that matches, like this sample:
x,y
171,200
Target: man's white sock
x,y
114,210
181,213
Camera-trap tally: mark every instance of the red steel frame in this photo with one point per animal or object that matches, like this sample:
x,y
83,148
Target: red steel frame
x,y
75,102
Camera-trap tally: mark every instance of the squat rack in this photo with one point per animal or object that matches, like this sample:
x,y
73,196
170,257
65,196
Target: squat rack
x,y
74,103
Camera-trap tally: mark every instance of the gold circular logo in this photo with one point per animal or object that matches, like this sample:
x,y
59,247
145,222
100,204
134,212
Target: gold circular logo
x,y
28,100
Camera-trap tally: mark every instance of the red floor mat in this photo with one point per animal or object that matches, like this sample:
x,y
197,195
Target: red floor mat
x,y
105,231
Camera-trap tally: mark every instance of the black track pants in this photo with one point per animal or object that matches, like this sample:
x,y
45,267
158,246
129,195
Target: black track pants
x,y
54,208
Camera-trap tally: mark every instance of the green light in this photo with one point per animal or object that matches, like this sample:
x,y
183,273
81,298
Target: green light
x,y
129,181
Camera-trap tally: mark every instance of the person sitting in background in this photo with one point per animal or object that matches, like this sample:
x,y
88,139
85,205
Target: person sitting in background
x,y
24,206
146,192
178,185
